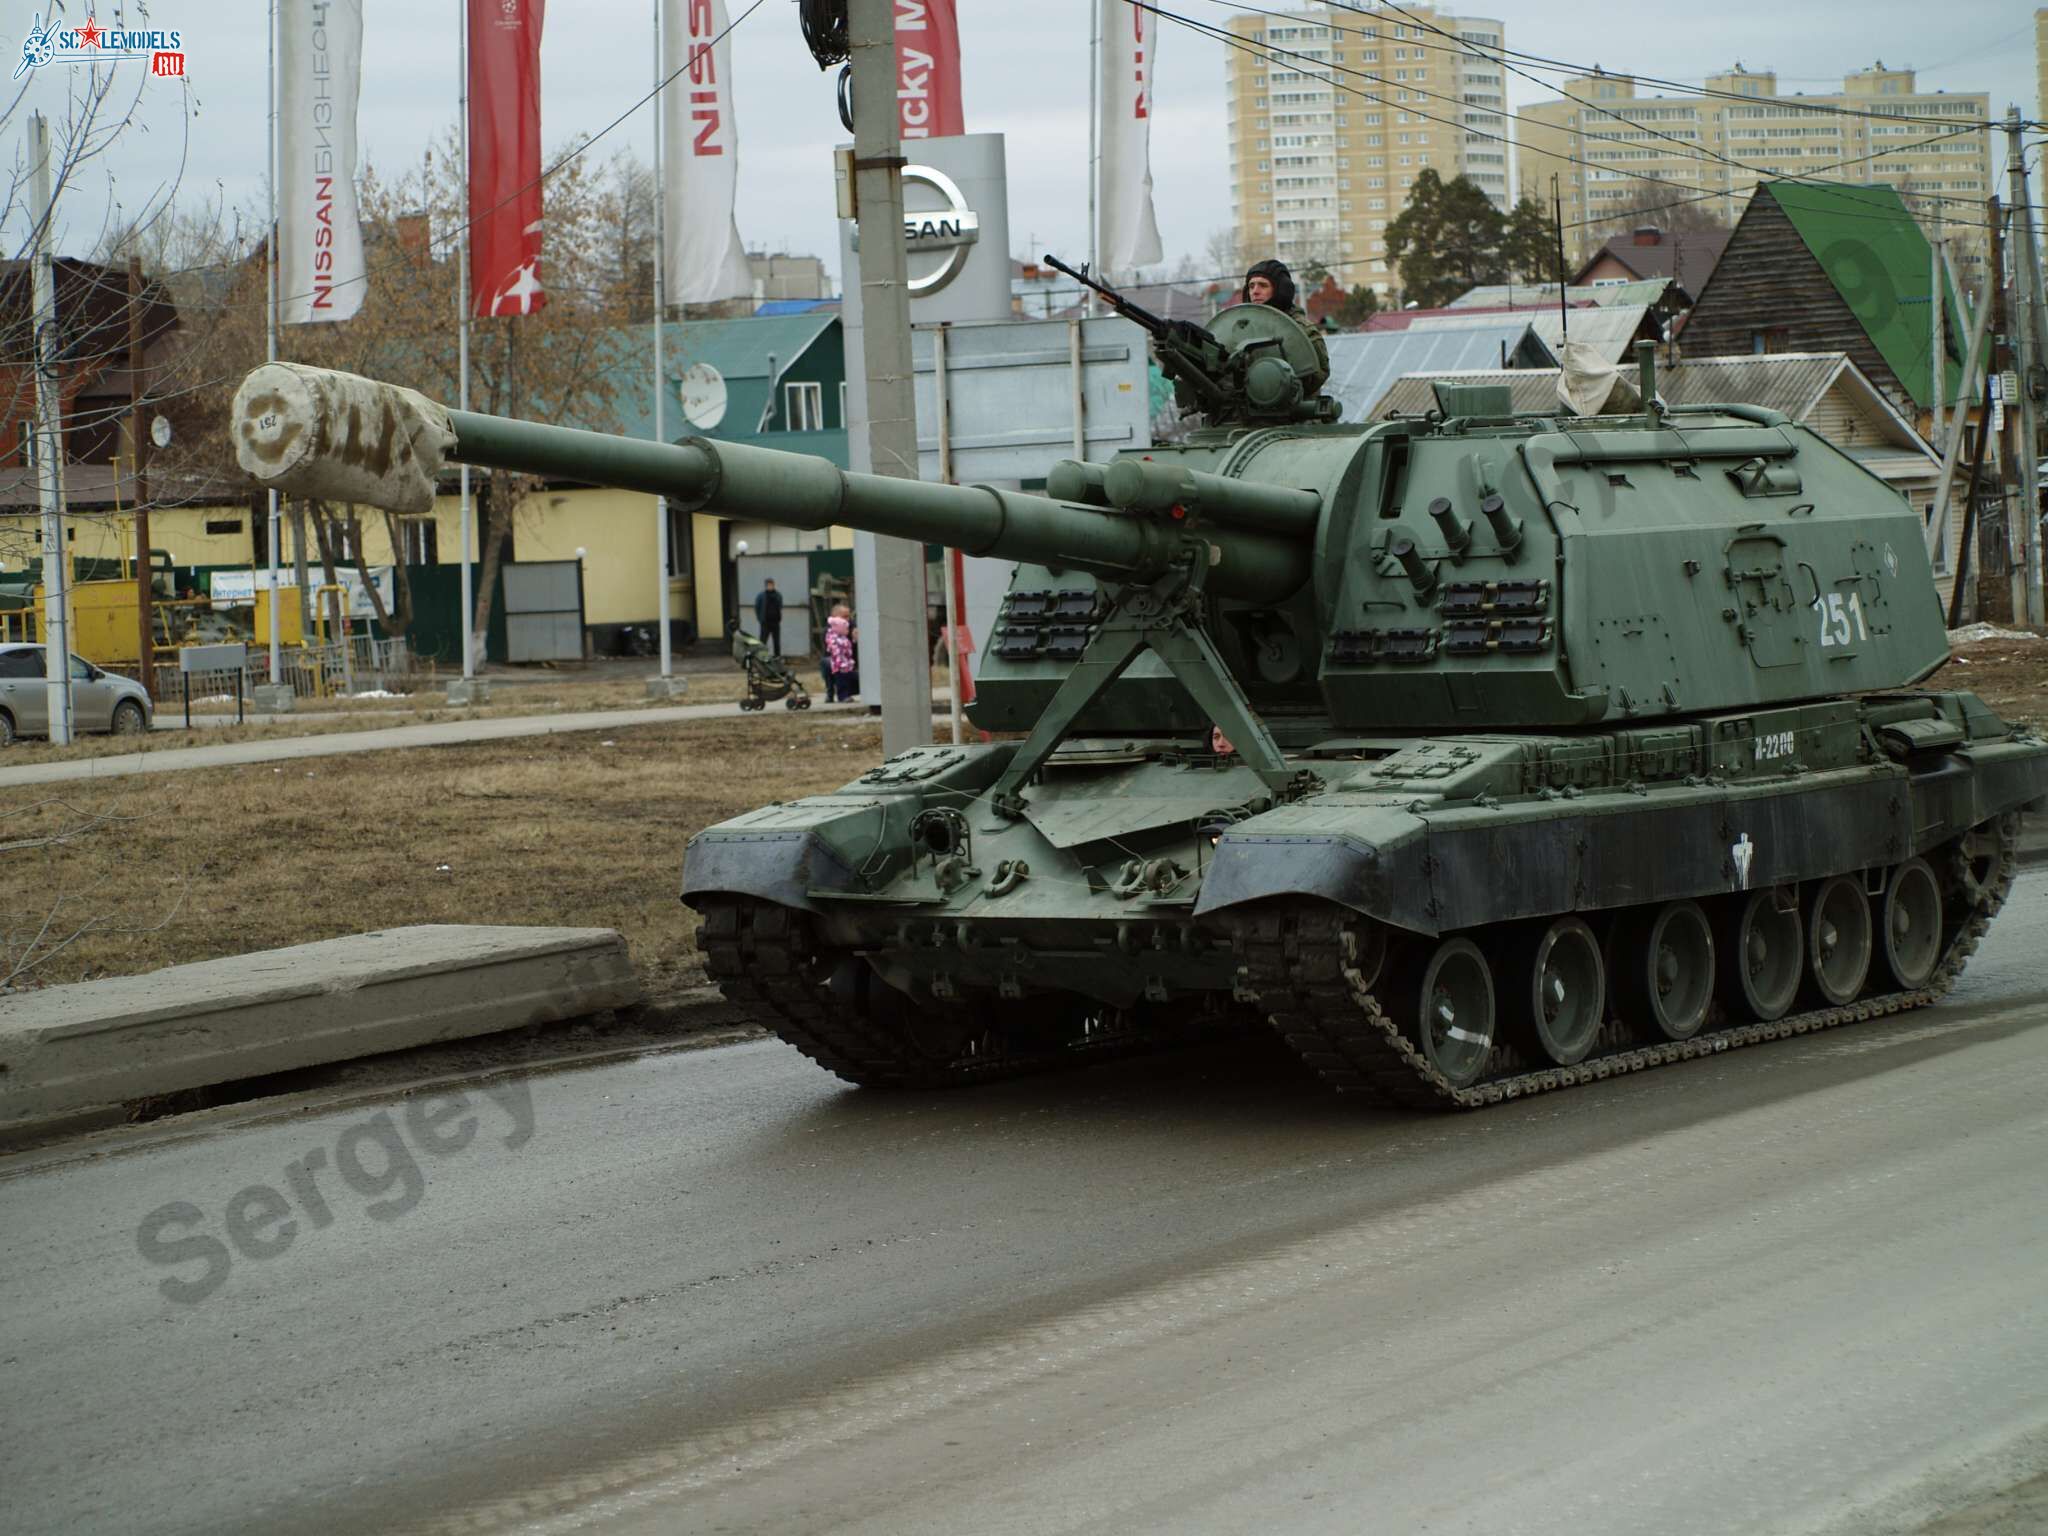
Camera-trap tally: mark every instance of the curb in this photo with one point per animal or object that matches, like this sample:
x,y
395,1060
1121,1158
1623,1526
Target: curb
x,y
73,1050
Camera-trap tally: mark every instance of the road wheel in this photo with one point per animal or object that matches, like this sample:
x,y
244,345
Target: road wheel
x,y
1763,956
128,719
1838,939
1563,990
1912,923
1450,1011
6,729
1666,970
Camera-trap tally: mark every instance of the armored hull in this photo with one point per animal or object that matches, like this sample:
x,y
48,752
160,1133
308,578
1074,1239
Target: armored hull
x,y
1477,754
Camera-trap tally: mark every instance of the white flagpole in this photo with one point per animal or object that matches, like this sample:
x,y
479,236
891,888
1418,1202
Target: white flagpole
x,y
270,347
462,343
661,562
1094,146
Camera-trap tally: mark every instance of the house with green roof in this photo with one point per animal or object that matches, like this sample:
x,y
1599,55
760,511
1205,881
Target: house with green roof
x,y
1822,267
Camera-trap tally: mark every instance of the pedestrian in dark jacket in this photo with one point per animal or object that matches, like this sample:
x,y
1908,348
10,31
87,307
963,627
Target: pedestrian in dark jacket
x,y
768,614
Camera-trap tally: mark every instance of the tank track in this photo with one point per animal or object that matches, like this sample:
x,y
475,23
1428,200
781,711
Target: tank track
x,y
1299,961
765,959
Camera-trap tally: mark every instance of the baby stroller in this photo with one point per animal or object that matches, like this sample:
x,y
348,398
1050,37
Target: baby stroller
x,y
768,676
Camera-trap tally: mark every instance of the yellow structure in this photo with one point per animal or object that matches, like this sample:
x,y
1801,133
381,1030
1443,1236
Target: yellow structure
x,y
1715,148
1333,112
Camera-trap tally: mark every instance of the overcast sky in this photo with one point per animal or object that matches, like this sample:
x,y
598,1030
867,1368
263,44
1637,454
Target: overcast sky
x,y
1025,69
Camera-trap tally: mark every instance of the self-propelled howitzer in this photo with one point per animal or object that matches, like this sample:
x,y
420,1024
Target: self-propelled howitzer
x,y
1477,754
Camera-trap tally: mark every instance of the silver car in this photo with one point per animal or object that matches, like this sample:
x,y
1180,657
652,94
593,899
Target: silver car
x,y
100,701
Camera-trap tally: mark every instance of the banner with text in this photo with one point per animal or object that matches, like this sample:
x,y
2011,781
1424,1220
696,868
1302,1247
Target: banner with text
x,y
504,156
707,261
1129,233
928,69
320,235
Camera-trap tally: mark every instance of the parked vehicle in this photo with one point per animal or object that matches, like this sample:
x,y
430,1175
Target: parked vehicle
x,y
100,700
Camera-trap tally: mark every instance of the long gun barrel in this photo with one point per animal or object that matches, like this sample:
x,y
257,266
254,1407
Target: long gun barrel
x,y
340,437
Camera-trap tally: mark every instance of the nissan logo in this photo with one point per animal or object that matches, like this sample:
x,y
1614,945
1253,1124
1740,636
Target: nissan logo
x,y
951,229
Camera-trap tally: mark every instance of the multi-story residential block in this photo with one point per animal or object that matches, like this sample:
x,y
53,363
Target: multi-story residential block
x,y
1333,113
1617,153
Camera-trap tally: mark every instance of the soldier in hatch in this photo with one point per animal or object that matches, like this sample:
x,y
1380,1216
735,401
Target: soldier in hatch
x,y
1269,282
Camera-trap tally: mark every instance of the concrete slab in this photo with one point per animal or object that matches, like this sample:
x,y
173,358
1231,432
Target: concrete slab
x,y
466,691
66,1050
667,687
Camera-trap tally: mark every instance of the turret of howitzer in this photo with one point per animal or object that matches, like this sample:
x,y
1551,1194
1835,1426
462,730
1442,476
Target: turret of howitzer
x,y
340,437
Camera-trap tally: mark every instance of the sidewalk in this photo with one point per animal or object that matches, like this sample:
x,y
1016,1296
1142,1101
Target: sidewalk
x,y
440,733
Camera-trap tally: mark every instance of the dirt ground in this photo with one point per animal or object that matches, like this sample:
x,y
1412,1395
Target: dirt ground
x,y
131,874
2009,675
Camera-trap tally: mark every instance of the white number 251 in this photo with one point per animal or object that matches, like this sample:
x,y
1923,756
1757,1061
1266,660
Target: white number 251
x,y
1835,617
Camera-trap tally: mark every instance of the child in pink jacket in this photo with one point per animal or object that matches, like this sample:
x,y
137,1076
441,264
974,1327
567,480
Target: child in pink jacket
x,y
841,681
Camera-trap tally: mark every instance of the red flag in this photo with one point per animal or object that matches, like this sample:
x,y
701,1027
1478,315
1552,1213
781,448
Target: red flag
x,y
928,69
504,156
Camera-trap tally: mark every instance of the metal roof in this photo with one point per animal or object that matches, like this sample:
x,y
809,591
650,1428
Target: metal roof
x,y
1363,364
1611,331
1537,295
1791,382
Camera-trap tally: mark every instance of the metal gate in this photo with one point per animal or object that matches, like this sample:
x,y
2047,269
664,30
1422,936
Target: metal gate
x,y
543,610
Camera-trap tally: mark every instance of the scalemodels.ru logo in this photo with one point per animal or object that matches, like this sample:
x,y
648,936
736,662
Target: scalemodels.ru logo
x,y
95,44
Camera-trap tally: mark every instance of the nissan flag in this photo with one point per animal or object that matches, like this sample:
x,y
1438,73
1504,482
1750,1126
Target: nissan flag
x,y
1130,233
928,70
320,234
706,259
504,156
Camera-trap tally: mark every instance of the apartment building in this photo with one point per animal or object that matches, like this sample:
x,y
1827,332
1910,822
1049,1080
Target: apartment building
x,y
1333,111
1616,151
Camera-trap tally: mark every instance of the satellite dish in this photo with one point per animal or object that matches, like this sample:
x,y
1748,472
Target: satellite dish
x,y
703,390
160,431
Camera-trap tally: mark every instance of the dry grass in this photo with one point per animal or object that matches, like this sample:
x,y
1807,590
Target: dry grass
x,y
167,868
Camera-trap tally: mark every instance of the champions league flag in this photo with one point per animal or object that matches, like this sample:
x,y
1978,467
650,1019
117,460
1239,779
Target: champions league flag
x,y
320,273
928,70
504,156
707,261
1130,234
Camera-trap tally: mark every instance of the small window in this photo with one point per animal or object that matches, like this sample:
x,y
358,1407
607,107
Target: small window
x,y
1773,338
422,539
223,525
843,424
680,552
804,407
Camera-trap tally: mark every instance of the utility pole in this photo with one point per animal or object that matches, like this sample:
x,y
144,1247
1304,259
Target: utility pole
x,y
2022,427
1937,351
50,438
896,634
138,446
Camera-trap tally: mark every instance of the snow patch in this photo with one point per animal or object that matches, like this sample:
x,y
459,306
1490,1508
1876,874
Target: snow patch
x,y
1970,634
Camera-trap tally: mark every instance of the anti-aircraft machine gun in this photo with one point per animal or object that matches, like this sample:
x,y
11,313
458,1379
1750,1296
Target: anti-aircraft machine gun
x,y
1550,747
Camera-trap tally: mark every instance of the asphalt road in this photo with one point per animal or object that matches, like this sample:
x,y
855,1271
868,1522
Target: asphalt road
x,y
1795,1289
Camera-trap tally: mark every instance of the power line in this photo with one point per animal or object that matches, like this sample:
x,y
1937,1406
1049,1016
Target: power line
x,y
1566,66
1272,54
1757,171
